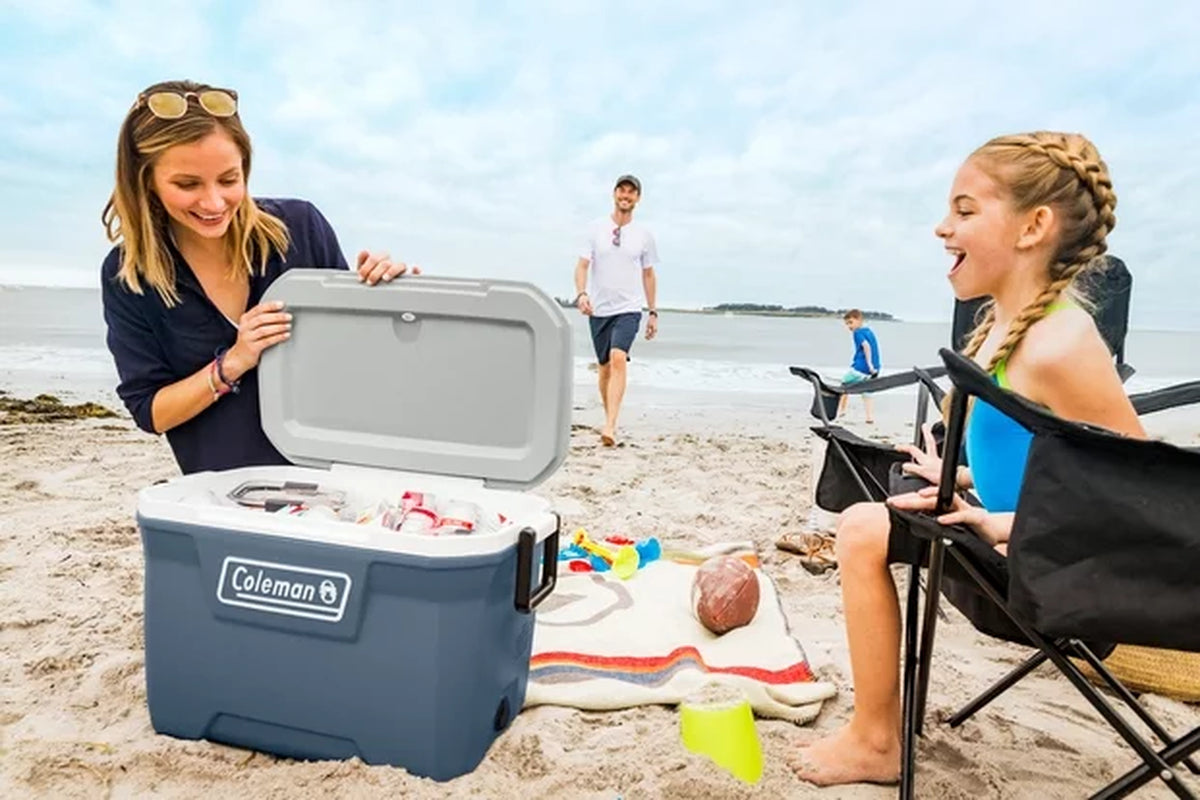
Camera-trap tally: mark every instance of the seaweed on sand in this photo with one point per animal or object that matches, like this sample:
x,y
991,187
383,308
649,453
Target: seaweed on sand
x,y
47,408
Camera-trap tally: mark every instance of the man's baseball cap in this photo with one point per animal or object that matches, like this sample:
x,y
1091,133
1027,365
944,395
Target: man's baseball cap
x,y
631,180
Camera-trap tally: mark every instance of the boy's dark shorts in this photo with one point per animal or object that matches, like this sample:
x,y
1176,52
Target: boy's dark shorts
x,y
615,332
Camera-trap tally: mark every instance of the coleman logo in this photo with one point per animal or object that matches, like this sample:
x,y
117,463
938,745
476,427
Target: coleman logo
x,y
283,589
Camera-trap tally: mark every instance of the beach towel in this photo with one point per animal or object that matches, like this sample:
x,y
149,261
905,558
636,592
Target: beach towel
x,y
601,643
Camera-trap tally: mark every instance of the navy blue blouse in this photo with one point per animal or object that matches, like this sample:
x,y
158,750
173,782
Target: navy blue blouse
x,y
155,345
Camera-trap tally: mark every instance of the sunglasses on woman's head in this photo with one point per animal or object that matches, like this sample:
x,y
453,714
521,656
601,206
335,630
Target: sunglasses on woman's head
x,y
167,104
617,236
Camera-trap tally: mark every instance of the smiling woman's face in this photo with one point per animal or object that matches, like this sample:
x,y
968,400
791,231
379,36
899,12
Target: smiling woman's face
x,y
201,185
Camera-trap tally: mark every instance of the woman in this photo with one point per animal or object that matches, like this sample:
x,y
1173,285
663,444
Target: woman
x,y
194,253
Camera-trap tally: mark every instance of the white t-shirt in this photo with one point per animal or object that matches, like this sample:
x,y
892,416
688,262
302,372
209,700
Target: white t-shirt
x,y
616,270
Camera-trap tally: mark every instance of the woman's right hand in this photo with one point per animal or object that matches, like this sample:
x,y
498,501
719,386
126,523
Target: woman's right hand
x,y
263,326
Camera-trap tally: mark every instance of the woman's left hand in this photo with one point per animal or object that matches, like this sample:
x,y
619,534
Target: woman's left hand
x,y
992,528
376,267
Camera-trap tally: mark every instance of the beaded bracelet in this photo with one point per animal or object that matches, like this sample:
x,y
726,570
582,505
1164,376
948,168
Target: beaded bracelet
x,y
233,385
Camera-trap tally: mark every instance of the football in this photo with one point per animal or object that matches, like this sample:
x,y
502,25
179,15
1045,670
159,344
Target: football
x,y
724,594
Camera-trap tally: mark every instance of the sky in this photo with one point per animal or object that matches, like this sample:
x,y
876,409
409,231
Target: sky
x,y
797,153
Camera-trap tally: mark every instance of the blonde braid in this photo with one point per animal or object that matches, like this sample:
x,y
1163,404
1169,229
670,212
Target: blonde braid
x,y
1046,168
980,333
1078,156
1031,314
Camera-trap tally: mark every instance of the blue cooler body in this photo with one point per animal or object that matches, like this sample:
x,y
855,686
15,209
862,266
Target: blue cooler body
x,y
321,639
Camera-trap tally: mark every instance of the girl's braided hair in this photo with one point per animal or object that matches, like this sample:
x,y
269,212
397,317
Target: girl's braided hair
x,y
1063,171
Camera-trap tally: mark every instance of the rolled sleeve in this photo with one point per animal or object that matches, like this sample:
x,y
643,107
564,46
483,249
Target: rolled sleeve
x,y
141,364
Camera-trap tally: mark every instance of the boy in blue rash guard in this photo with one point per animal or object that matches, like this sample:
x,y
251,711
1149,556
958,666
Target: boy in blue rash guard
x,y
194,253
1028,214
865,364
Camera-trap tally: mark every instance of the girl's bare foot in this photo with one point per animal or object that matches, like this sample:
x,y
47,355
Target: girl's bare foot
x,y
607,438
846,757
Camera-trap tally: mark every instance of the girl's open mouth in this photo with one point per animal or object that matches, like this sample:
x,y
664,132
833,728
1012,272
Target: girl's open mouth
x,y
959,258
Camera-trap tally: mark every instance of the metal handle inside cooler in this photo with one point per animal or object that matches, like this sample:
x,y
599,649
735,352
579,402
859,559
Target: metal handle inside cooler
x,y
528,600
273,495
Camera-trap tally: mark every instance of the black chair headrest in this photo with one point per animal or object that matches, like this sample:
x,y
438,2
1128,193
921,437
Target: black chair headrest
x,y
1108,288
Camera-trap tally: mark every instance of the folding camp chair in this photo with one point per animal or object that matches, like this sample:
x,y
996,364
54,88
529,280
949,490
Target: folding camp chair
x,y
1105,547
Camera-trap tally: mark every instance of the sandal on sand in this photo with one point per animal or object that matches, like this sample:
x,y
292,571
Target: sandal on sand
x,y
815,550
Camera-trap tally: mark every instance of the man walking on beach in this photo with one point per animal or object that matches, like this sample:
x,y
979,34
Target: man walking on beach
x,y
622,256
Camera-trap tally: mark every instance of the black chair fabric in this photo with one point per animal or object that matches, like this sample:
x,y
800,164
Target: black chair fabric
x,y
1106,537
850,458
1109,287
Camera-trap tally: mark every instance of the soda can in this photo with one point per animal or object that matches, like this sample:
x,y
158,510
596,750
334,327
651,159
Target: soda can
x,y
458,516
390,516
320,512
419,520
413,499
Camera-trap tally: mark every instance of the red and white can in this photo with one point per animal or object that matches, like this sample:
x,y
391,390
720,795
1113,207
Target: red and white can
x,y
419,520
458,516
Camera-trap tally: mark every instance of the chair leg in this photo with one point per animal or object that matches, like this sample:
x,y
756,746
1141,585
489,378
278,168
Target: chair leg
x,y
933,592
1141,775
1149,756
908,743
1120,691
999,688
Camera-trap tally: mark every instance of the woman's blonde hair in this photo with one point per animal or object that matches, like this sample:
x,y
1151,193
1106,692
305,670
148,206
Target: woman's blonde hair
x,y
1065,172
134,217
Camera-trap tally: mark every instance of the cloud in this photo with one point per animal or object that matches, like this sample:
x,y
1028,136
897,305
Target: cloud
x,y
791,152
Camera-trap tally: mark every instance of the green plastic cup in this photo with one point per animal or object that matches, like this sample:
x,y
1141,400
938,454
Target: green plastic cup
x,y
719,723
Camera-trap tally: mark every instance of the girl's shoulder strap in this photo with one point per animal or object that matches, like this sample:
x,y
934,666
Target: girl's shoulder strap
x,y
1001,370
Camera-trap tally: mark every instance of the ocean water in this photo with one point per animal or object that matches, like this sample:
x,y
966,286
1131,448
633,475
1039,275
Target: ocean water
x,y
53,340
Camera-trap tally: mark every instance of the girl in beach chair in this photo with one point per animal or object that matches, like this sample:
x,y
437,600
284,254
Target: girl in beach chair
x,y
1028,215
1102,558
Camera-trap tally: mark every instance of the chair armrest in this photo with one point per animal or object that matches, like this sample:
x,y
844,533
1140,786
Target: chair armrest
x,y
881,384
1181,394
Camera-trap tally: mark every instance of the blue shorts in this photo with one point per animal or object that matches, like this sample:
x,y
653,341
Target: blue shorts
x,y
614,333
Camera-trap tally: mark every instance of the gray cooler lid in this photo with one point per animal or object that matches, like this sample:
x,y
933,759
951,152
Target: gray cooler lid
x,y
443,376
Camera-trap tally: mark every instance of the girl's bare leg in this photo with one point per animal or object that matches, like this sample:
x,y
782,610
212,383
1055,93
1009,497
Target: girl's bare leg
x,y
867,749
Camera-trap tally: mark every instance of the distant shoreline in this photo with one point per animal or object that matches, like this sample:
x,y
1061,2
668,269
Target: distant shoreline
x,y
876,316
760,310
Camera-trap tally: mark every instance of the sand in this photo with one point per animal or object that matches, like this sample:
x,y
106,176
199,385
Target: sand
x,y
73,716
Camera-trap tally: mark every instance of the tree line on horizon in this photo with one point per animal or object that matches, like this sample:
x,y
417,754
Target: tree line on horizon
x,y
809,310
765,308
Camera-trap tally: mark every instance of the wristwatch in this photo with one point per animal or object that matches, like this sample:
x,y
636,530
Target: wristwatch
x,y
652,313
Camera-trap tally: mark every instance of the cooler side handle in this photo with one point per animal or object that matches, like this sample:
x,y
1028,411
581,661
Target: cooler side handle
x,y
527,600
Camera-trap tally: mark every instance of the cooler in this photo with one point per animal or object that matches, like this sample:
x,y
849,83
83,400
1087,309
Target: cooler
x,y
317,638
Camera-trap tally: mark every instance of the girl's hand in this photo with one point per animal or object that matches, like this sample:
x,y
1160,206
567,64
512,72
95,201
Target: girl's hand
x,y
992,528
263,326
376,267
927,463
